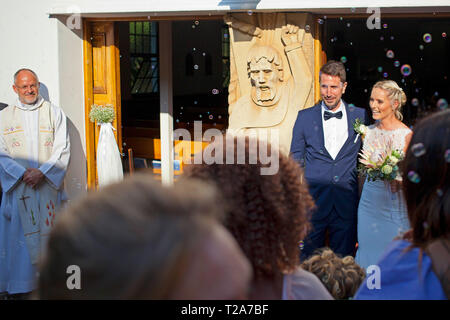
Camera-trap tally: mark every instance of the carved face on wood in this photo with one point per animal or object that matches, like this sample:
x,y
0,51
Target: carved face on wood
x,y
266,74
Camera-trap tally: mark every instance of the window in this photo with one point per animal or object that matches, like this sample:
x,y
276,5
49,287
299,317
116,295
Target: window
x,y
144,57
225,57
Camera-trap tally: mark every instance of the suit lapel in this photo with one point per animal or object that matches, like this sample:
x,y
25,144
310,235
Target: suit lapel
x,y
319,121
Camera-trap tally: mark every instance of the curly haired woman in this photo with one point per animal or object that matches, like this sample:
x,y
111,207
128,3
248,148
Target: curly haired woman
x,y
268,216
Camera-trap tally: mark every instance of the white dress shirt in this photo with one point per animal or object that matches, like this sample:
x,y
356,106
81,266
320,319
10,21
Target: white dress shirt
x,y
335,131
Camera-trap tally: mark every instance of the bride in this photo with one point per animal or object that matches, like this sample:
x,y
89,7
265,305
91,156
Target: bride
x,y
382,211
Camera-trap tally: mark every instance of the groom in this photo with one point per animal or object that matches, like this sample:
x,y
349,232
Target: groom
x,y
326,145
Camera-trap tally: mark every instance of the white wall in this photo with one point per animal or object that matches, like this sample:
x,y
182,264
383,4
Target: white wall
x,y
216,6
33,40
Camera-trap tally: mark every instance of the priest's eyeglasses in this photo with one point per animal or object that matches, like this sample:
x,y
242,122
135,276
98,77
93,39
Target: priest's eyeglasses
x,y
31,87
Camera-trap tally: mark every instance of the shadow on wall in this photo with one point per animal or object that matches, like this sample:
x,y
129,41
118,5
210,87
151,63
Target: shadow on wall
x,y
43,91
74,181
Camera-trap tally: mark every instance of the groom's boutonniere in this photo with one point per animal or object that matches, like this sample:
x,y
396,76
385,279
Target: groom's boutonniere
x,y
359,128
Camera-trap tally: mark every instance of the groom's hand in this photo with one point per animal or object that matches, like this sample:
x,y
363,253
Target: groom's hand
x,y
33,177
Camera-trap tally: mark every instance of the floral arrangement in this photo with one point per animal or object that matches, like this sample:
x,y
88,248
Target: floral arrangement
x,y
102,114
359,128
379,160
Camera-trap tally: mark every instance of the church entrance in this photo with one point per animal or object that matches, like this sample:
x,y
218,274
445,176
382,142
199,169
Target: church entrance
x,y
123,68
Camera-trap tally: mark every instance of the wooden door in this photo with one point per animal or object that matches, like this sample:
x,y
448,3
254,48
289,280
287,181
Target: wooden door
x,y
102,85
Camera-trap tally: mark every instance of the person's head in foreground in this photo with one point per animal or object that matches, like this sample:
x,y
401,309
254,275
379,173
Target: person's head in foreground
x,y
267,214
426,179
139,240
341,276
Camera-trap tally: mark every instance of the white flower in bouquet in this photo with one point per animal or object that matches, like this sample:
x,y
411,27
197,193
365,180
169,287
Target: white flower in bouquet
x,y
386,169
393,160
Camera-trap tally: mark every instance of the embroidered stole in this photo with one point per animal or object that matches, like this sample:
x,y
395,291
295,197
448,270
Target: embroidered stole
x,y
37,208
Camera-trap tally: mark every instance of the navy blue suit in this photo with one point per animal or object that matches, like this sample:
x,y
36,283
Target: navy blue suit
x,y
332,183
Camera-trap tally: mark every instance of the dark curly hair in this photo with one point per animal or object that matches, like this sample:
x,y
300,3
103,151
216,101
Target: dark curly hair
x,y
267,214
341,276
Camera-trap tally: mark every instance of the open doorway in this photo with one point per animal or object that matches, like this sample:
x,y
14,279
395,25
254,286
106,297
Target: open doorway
x,y
200,65
411,51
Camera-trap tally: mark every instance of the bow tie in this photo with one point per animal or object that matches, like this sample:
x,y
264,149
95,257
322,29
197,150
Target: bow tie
x,y
328,115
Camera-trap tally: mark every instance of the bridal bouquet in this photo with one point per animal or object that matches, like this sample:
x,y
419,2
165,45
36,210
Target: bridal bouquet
x,y
379,160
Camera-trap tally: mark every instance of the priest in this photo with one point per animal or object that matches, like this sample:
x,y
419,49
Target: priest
x,y
34,155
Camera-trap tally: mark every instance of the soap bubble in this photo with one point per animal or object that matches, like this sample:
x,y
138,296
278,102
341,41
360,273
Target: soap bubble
x,y
418,149
219,117
439,192
406,70
215,91
415,102
442,104
381,38
249,12
436,94
427,38
392,38
307,28
413,177
444,35
353,9
447,155
348,24
196,66
196,22
397,63
385,25
421,47
343,59
320,21
211,117
390,54
385,75
380,69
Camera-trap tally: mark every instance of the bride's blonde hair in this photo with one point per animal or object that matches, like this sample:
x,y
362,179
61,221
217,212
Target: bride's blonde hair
x,y
394,92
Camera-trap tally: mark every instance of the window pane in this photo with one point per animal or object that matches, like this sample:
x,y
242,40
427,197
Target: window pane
x,y
138,44
146,27
132,24
154,45
138,27
146,44
132,44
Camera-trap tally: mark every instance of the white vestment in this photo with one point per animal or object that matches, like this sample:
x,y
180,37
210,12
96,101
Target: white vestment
x,y
17,265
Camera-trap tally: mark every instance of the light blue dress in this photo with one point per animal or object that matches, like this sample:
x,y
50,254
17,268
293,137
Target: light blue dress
x,y
382,215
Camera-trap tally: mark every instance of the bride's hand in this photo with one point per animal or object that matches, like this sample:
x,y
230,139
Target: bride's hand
x,y
395,186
